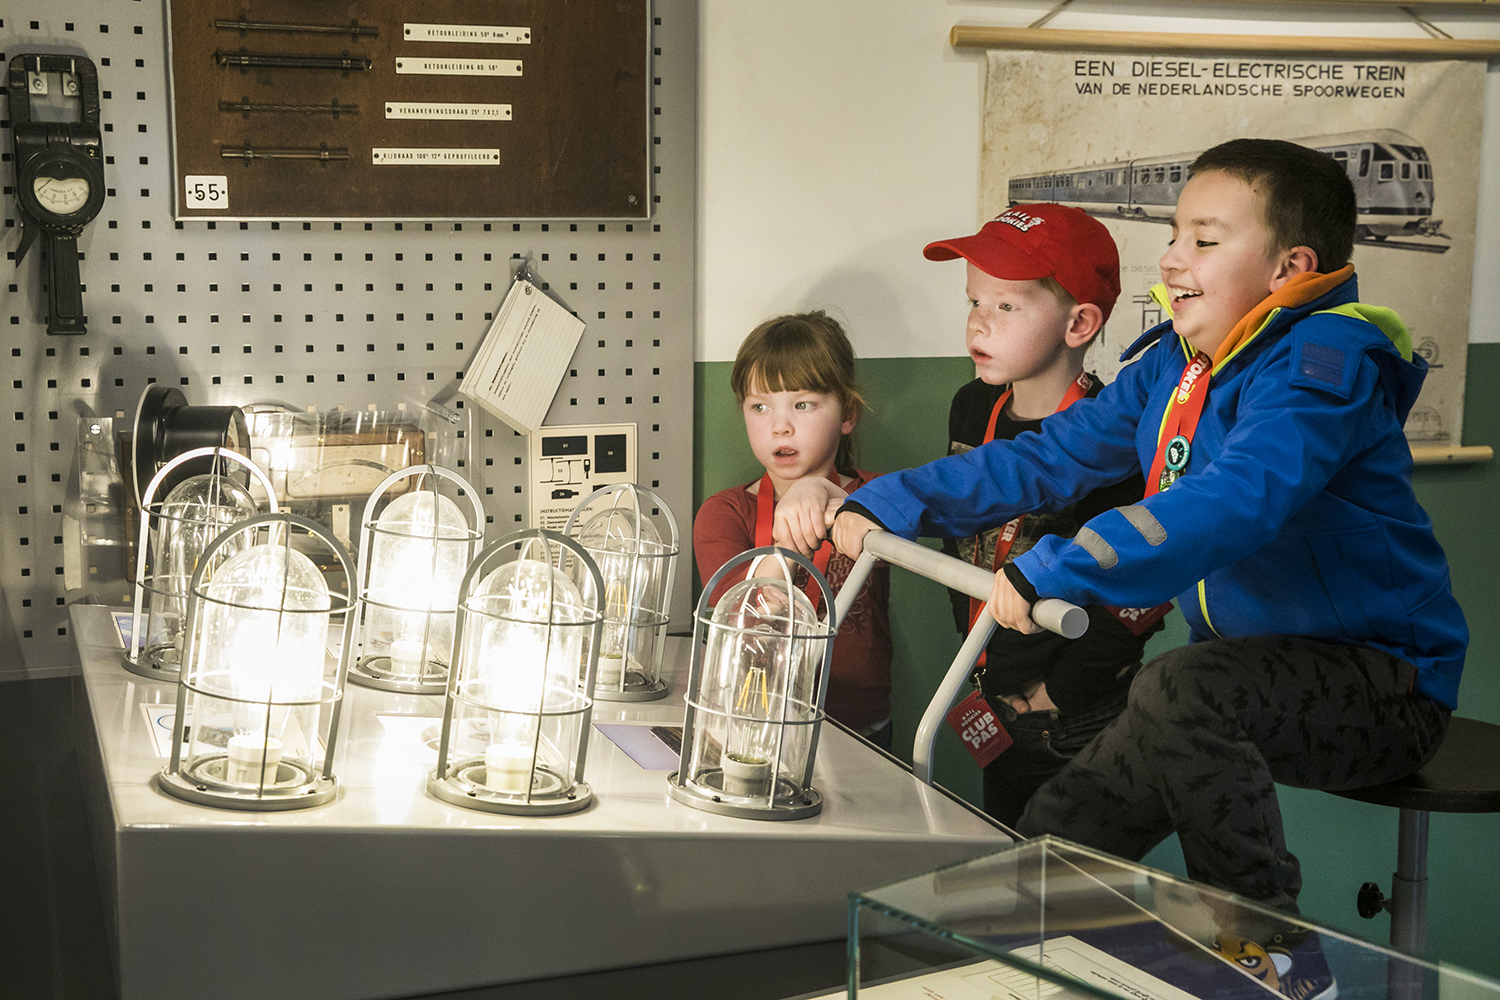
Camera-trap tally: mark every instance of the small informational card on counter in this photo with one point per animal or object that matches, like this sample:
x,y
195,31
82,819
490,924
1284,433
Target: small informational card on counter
x,y
568,463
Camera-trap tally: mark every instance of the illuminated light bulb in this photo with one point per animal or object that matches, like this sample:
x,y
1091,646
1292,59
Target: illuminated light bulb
x,y
527,666
419,550
265,621
516,723
255,701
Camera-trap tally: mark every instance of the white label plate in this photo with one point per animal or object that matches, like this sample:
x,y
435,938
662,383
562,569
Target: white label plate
x,y
205,191
427,157
448,112
458,67
486,34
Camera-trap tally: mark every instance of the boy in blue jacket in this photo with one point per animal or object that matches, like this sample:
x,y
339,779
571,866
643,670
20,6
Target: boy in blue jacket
x,y
1267,417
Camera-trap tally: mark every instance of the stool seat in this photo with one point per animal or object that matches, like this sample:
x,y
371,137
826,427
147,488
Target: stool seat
x,y
1463,777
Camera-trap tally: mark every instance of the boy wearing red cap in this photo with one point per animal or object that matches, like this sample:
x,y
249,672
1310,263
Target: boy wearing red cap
x,y
1041,281
1326,642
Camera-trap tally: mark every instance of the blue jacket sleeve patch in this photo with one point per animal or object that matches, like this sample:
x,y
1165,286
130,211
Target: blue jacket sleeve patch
x,y
1319,366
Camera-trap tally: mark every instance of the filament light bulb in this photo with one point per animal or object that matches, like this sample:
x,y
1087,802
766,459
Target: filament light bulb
x,y
262,651
417,560
527,665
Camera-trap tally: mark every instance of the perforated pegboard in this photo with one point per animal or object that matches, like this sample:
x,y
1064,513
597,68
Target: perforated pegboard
x,y
321,315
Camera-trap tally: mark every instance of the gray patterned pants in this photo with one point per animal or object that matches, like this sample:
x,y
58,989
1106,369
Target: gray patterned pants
x,y
1207,730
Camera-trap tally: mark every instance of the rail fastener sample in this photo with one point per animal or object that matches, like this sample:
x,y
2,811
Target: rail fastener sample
x,y
248,153
272,60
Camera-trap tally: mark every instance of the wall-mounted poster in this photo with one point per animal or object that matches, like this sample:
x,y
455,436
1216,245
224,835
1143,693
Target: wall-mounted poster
x,y
1115,133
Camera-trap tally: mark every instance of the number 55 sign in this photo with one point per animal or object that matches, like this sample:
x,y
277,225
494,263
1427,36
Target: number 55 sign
x,y
205,191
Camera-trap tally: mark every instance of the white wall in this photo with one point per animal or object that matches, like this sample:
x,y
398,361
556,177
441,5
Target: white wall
x,y
838,137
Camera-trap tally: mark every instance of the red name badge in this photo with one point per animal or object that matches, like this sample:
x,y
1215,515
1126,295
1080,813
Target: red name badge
x,y
1138,620
975,723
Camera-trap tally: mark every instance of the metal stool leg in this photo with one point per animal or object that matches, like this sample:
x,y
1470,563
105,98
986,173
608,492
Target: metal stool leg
x,y
1408,906
1409,884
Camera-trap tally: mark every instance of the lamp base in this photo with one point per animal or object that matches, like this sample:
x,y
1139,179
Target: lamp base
x,y
157,663
789,802
375,672
297,787
551,793
637,688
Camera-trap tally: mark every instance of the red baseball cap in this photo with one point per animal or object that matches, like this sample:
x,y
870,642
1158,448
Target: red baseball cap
x,y
1026,242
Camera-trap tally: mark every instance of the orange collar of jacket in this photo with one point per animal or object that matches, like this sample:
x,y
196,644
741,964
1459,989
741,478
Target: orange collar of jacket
x,y
1299,290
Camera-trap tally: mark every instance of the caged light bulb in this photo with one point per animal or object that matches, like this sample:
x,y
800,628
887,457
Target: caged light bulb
x,y
750,731
759,655
612,650
262,651
628,551
751,743
418,557
188,520
527,666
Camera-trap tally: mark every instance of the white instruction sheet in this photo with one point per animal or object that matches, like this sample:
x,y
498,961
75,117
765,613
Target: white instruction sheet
x,y
569,463
523,357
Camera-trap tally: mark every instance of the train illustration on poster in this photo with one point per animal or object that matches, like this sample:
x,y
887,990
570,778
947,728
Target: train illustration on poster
x,y
1406,133
1390,171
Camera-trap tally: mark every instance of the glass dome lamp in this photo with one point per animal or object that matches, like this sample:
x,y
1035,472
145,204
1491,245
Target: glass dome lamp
x,y
412,558
257,713
755,693
635,544
175,533
520,694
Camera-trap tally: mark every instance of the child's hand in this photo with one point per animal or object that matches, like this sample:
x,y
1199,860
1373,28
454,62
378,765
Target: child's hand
x,y
849,531
1034,700
804,513
1008,607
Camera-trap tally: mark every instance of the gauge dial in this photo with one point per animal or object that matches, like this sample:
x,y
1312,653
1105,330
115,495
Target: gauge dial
x,y
61,195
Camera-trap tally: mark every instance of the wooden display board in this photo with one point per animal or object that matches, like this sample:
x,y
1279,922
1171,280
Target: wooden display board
x,y
445,109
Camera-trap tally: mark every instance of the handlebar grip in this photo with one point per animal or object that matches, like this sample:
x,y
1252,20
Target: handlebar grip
x,y
1067,620
1052,614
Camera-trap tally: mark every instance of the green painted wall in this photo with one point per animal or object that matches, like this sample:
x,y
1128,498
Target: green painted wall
x,y
1341,843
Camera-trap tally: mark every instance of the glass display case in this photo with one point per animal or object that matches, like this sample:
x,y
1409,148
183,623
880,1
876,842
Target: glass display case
x,y
1047,918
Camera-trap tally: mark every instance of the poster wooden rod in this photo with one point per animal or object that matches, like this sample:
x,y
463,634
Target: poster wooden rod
x,y
974,36
1438,455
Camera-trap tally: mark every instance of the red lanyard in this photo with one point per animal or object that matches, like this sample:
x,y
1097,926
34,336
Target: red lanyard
x,y
1012,528
765,519
1179,423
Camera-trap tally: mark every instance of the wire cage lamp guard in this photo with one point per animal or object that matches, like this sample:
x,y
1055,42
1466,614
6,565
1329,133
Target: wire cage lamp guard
x,y
412,558
634,542
254,691
519,705
186,521
756,686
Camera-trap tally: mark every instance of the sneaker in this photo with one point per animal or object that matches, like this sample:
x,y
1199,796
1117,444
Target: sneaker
x,y
1292,964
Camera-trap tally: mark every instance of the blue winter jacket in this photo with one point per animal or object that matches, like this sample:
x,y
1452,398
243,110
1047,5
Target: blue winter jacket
x,y
1294,516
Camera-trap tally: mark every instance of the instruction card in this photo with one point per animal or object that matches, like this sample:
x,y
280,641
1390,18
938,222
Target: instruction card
x,y
569,463
523,357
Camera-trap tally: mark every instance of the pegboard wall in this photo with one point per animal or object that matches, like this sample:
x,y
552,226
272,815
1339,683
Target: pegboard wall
x,y
323,315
